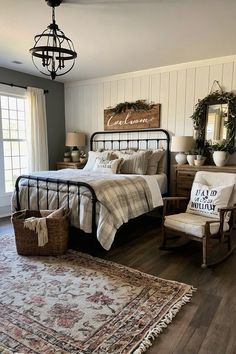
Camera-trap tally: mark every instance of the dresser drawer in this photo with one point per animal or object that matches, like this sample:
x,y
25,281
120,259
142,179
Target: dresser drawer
x,y
184,181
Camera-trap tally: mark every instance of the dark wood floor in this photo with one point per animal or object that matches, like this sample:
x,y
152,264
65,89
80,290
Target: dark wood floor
x,y
207,324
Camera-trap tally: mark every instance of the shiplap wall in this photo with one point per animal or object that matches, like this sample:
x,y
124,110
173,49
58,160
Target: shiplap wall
x,y
177,88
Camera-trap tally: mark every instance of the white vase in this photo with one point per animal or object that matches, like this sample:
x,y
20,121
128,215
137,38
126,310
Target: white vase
x,y
180,158
75,155
190,159
220,158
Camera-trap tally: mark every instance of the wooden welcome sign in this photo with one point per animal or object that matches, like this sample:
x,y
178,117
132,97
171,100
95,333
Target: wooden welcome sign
x,y
130,116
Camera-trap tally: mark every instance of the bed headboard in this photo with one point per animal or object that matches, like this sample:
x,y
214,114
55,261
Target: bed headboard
x,y
140,139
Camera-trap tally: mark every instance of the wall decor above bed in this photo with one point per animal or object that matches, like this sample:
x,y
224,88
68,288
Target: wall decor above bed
x,y
132,115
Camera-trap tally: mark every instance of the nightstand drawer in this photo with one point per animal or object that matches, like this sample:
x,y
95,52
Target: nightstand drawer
x,y
61,165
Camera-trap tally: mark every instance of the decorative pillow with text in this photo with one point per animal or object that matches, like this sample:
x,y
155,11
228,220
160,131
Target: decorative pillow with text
x,y
93,155
207,201
107,166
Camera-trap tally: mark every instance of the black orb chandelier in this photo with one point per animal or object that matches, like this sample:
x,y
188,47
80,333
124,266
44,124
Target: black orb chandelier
x,y
53,53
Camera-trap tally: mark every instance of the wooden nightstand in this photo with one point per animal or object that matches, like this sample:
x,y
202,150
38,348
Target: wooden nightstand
x,y
185,175
61,165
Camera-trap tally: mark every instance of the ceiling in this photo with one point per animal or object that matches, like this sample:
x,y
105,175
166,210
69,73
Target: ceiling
x,y
117,36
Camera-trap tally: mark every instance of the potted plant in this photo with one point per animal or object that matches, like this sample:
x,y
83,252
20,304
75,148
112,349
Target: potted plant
x,y
221,151
191,156
200,156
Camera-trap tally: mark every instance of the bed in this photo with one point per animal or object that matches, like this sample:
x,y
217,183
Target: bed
x,y
101,202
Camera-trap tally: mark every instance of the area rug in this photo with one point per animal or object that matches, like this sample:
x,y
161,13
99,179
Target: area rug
x,y
80,304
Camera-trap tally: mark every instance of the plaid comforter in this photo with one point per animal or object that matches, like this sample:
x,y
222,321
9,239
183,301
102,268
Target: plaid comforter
x,y
120,198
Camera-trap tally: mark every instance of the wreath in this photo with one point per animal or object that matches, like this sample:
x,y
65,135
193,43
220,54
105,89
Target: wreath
x,y
135,106
200,114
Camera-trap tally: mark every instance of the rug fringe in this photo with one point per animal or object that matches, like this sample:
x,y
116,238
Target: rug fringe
x,y
167,319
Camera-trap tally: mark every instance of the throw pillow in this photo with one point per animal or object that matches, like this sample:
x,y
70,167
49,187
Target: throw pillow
x,y
206,200
153,161
92,155
106,166
162,164
135,163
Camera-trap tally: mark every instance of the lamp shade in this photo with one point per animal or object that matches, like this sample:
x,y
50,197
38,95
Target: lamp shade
x,y
75,139
182,143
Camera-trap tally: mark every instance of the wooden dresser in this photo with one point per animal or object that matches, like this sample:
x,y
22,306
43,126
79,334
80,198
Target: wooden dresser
x,y
185,176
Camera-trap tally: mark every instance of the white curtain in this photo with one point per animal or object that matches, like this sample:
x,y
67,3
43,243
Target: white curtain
x,y
37,130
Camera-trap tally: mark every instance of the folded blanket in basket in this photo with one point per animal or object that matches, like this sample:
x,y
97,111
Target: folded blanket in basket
x,y
39,225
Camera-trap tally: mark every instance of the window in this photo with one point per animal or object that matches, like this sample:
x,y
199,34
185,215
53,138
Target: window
x,y
12,139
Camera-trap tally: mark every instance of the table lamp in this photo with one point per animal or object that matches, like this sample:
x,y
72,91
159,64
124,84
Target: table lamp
x,y
181,144
75,140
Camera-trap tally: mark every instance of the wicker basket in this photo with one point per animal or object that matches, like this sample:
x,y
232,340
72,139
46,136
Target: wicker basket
x,y
27,240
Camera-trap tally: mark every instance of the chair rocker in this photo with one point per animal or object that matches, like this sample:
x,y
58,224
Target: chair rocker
x,y
209,218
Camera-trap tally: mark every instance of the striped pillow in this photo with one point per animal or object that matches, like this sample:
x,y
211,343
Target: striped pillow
x,y
154,160
135,163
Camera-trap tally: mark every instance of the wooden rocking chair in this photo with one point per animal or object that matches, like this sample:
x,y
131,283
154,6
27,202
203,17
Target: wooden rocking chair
x,y
215,194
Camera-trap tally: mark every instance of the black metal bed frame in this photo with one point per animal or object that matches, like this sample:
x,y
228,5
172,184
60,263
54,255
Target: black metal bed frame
x,y
101,140
58,182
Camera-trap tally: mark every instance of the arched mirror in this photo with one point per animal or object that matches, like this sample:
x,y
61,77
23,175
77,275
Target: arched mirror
x,y
215,118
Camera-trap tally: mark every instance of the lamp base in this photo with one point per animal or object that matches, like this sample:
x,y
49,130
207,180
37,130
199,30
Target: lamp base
x,y
181,158
75,155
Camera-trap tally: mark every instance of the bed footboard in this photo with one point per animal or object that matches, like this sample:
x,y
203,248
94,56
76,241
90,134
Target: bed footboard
x,y
58,183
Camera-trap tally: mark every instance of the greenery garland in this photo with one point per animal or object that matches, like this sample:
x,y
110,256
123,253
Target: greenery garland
x,y
135,106
223,146
200,114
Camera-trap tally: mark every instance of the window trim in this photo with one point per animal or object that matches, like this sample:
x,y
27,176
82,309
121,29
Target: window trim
x,y
16,92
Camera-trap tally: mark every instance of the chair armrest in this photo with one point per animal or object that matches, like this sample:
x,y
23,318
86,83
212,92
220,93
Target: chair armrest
x,y
213,221
223,211
228,208
231,216
174,200
208,223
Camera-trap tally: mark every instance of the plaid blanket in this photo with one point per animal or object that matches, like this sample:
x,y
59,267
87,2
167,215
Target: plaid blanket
x,y
120,198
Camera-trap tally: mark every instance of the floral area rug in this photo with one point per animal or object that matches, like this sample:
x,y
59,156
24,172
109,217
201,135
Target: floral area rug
x,y
80,304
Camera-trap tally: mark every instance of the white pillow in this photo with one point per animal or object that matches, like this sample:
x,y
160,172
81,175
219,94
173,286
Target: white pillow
x,y
107,166
135,163
153,161
206,200
92,155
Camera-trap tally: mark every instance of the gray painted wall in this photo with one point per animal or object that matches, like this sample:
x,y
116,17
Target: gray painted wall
x,y
55,109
